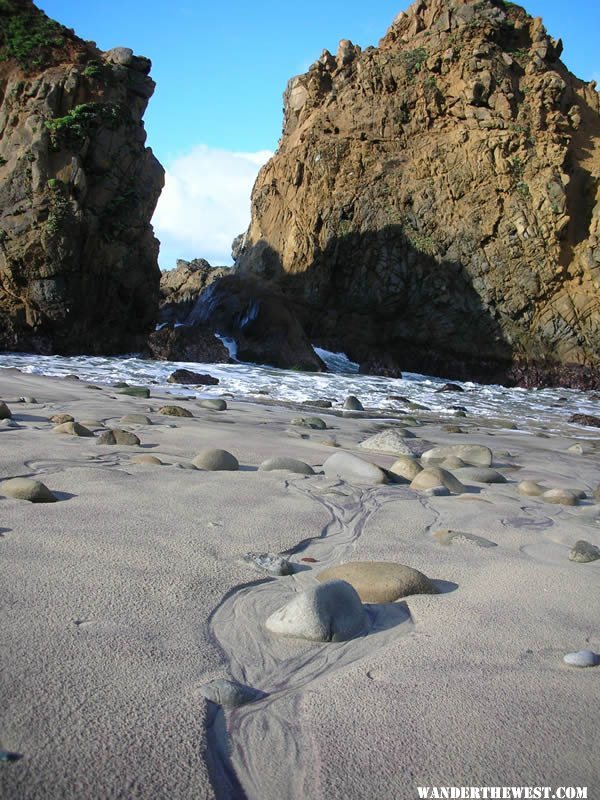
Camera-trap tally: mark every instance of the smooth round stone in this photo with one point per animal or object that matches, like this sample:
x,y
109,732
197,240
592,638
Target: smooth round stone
x,y
453,462
146,459
316,423
328,612
353,469
175,411
531,488
60,419
230,694
117,436
216,460
433,476
215,404
352,403
475,455
27,489
583,552
5,412
580,448
406,467
583,658
391,440
272,563
380,581
563,497
135,419
288,464
479,475
72,429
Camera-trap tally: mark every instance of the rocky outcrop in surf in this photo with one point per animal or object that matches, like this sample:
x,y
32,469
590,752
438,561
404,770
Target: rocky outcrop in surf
x,y
78,187
435,201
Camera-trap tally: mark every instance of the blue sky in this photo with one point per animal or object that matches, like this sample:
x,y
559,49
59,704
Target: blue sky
x,y
221,68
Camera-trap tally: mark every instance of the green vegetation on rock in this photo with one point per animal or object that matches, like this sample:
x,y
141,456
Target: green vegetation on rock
x,y
28,35
83,120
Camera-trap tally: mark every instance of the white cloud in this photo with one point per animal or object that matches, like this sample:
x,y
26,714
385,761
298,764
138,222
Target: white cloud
x,y
205,204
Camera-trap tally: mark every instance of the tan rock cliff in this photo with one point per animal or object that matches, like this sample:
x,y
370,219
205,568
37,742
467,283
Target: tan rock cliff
x,y
78,258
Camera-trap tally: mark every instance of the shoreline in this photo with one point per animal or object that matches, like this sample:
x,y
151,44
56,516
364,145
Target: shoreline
x,y
126,596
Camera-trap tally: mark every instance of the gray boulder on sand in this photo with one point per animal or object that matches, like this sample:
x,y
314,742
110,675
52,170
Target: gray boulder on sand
x,y
288,464
563,497
27,489
406,467
583,552
353,469
175,411
352,403
230,694
432,477
135,391
531,488
60,419
583,658
479,475
329,612
390,440
380,581
216,404
146,459
118,436
216,460
316,423
72,429
5,412
477,455
135,419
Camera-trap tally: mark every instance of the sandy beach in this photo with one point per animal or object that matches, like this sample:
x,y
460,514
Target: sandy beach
x,y
126,596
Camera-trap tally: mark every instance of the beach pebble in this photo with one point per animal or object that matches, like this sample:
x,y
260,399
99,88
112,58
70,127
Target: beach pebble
x,y
146,459
328,612
389,441
215,404
434,476
406,467
580,448
583,658
118,436
353,469
136,391
230,694
479,475
190,378
27,489
135,419
216,460
60,419
5,412
289,464
475,455
563,497
531,488
316,423
352,403
175,411
380,581
272,563
583,552
72,429
448,537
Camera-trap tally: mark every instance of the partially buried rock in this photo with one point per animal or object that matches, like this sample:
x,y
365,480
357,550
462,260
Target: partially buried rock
x,y
175,411
585,419
135,419
450,387
215,404
147,459
288,464
583,658
329,612
118,436
230,694
406,467
380,581
431,477
136,391
216,460
353,469
474,454
563,497
583,552
453,462
5,412
531,488
60,419
581,448
318,403
27,489
272,563
479,475
391,440
190,378
72,429
448,537
352,403
316,423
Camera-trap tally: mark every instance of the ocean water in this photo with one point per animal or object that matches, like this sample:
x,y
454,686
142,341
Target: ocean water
x,y
527,408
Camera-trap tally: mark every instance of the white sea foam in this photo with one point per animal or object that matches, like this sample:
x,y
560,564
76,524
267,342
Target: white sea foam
x,y
526,408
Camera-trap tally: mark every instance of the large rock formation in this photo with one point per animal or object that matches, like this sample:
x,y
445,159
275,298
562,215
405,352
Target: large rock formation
x,y
435,203
78,258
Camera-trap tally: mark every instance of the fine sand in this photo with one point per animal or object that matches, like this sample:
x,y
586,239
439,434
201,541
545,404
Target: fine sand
x,y
124,597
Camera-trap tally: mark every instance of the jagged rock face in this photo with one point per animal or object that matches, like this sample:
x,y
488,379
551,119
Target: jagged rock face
x,y
78,187
180,287
436,199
